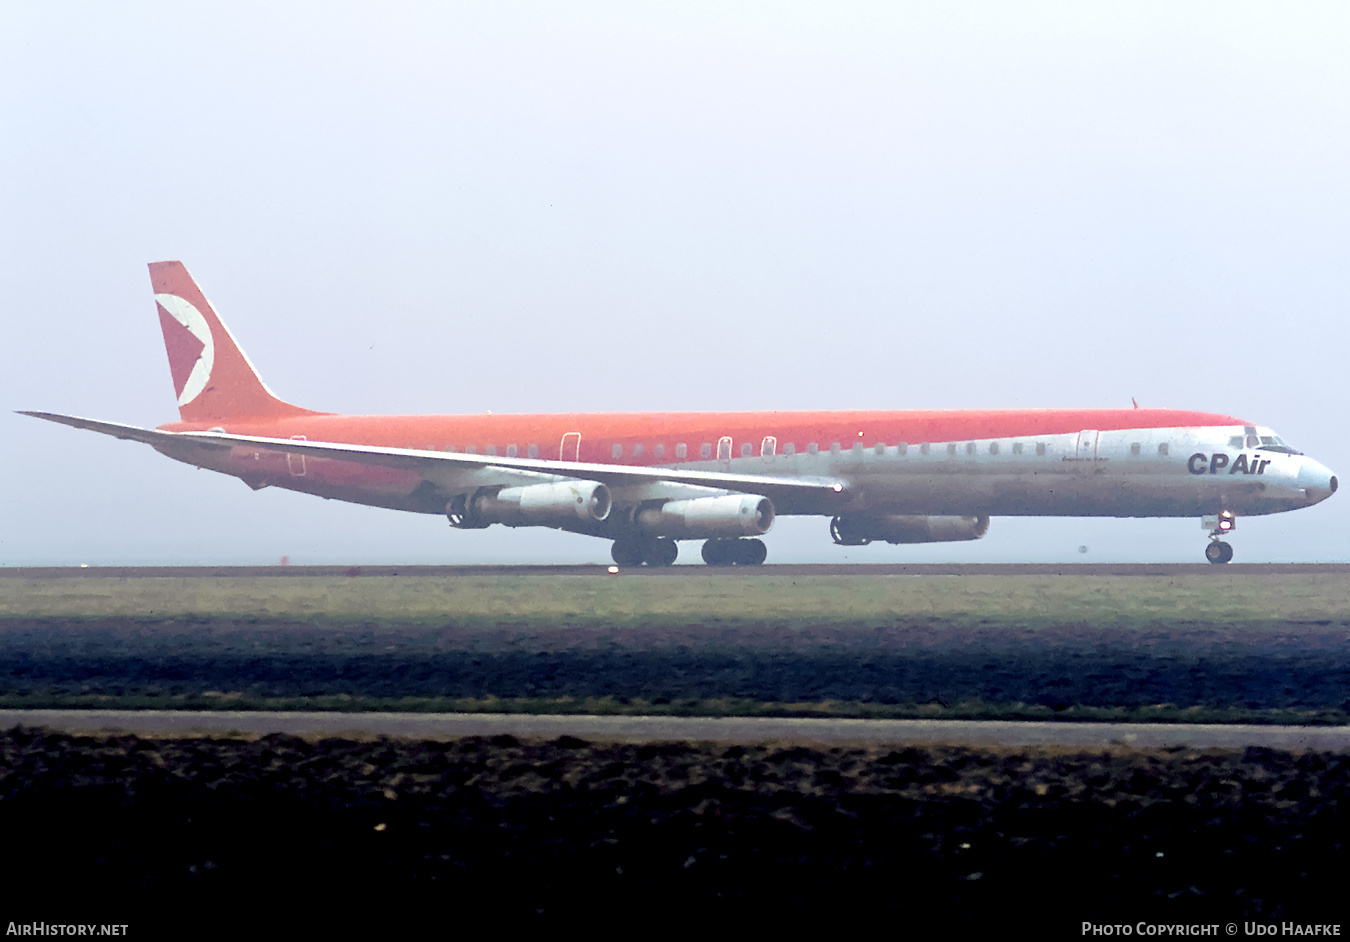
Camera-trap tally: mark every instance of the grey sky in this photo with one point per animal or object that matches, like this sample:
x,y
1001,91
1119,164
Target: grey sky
x,y
553,207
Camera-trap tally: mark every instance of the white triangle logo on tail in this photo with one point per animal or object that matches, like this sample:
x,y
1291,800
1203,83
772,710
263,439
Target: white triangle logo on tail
x,y
191,319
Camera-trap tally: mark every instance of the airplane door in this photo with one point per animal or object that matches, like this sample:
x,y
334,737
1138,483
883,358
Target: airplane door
x,y
296,463
570,449
724,452
1087,445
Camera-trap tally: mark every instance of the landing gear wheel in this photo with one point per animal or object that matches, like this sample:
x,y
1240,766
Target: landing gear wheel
x,y
1218,552
750,552
734,552
626,553
719,552
660,552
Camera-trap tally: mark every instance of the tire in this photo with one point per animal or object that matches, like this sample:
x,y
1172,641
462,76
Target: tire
x,y
717,552
662,552
1218,552
626,553
751,552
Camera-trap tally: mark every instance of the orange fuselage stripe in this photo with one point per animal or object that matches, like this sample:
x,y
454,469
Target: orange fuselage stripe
x,y
601,431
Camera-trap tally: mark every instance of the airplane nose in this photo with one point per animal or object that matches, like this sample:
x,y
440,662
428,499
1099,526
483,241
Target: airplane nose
x,y
1317,481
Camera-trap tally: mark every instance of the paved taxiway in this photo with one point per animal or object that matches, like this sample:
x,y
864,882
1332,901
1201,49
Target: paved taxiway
x,y
177,724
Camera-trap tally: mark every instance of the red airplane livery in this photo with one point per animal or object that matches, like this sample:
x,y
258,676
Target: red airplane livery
x,y
647,480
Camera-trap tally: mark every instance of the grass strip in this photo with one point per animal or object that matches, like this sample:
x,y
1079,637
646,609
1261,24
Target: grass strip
x,y
609,706
561,599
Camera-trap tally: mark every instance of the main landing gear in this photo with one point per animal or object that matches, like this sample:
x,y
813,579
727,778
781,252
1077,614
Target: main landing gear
x,y
1218,551
632,551
734,552
649,550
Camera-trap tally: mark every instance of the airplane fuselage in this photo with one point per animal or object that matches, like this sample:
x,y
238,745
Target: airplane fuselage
x,y
1118,463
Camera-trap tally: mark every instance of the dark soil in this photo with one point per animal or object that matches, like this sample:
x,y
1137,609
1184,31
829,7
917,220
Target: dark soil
x,y
1284,666
179,837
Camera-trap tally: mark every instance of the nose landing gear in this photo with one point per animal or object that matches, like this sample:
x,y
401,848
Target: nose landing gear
x,y
1218,551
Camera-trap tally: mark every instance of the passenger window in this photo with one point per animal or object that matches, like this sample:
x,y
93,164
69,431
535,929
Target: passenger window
x,y
746,450
1162,450
902,448
993,448
879,449
492,451
705,450
951,448
532,451
813,449
1017,448
1134,448
510,451
660,451
616,451
970,448
1040,448
470,450
790,448
835,449
637,451
681,450
449,449
923,449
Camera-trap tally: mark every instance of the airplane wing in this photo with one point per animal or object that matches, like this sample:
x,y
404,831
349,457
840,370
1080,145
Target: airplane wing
x,y
433,465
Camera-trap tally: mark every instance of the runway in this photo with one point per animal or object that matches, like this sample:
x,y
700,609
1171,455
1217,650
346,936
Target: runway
x,y
684,571
172,724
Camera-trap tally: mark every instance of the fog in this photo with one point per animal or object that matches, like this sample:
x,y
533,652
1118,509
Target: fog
x,y
413,208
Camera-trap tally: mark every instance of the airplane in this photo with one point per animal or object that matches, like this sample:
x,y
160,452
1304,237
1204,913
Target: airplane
x,y
646,481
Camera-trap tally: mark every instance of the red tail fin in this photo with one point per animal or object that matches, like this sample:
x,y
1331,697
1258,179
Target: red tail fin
x,y
211,375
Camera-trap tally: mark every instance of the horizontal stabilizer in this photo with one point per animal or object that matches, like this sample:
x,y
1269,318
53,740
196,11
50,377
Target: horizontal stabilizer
x,y
116,430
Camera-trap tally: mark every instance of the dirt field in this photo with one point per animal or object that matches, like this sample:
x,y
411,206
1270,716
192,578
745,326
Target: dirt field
x,y
913,667
157,832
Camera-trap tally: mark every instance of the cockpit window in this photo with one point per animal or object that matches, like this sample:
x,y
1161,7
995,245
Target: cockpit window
x,y
1276,444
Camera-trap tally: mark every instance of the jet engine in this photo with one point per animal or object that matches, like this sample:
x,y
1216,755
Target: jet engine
x,y
861,529
703,518
531,505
